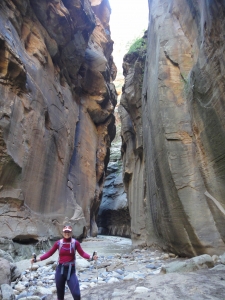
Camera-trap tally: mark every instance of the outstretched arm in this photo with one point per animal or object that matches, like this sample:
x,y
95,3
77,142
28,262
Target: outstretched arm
x,y
50,252
84,254
47,254
81,251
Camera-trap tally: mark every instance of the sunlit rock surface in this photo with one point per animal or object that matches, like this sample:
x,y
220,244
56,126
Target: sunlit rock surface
x,y
56,114
183,130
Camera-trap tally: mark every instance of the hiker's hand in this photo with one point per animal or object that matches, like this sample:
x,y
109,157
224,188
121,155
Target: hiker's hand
x,y
33,260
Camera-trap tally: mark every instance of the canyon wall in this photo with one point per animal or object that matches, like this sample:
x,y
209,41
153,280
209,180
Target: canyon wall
x,y
130,110
179,202
56,115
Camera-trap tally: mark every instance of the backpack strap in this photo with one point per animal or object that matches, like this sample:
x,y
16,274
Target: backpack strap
x,y
72,245
60,243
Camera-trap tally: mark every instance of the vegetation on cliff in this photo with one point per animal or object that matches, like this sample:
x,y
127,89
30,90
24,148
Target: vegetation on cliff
x,y
138,43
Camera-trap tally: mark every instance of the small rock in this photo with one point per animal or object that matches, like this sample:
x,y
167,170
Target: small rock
x,y
53,289
16,292
83,287
113,280
117,255
219,267
50,262
101,281
151,266
104,274
119,271
136,250
34,267
203,260
44,291
20,287
129,277
156,271
121,277
165,256
23,295
7,292
24,278
172,255
215,258
92,284
6,256
141,289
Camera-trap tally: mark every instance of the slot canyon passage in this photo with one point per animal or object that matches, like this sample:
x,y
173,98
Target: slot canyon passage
x,y
143,159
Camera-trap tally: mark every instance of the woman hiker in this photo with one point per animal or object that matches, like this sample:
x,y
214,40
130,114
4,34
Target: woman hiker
x,y
65,270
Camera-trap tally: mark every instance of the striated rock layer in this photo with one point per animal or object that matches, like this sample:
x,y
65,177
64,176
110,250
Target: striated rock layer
x,y
56,114
130,110
183,122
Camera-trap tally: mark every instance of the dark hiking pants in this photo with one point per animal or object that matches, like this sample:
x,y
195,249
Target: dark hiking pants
x,y
61,280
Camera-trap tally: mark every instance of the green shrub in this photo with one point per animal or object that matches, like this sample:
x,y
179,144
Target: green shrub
x,y
136,45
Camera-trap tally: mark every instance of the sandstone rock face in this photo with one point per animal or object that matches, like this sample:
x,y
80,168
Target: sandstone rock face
x,y
56,115
183,129
130,110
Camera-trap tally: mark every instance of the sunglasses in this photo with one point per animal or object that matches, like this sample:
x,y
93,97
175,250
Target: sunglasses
x,y
67,231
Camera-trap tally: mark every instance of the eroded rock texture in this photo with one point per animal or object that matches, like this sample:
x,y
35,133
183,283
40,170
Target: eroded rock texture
x,y
183,129
130,110
56,114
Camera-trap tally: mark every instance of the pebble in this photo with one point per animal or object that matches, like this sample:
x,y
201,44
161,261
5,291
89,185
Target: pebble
x,y
44,291
141,289
129,277
119,271
92,284
20,287
151,266
113,280
83,287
